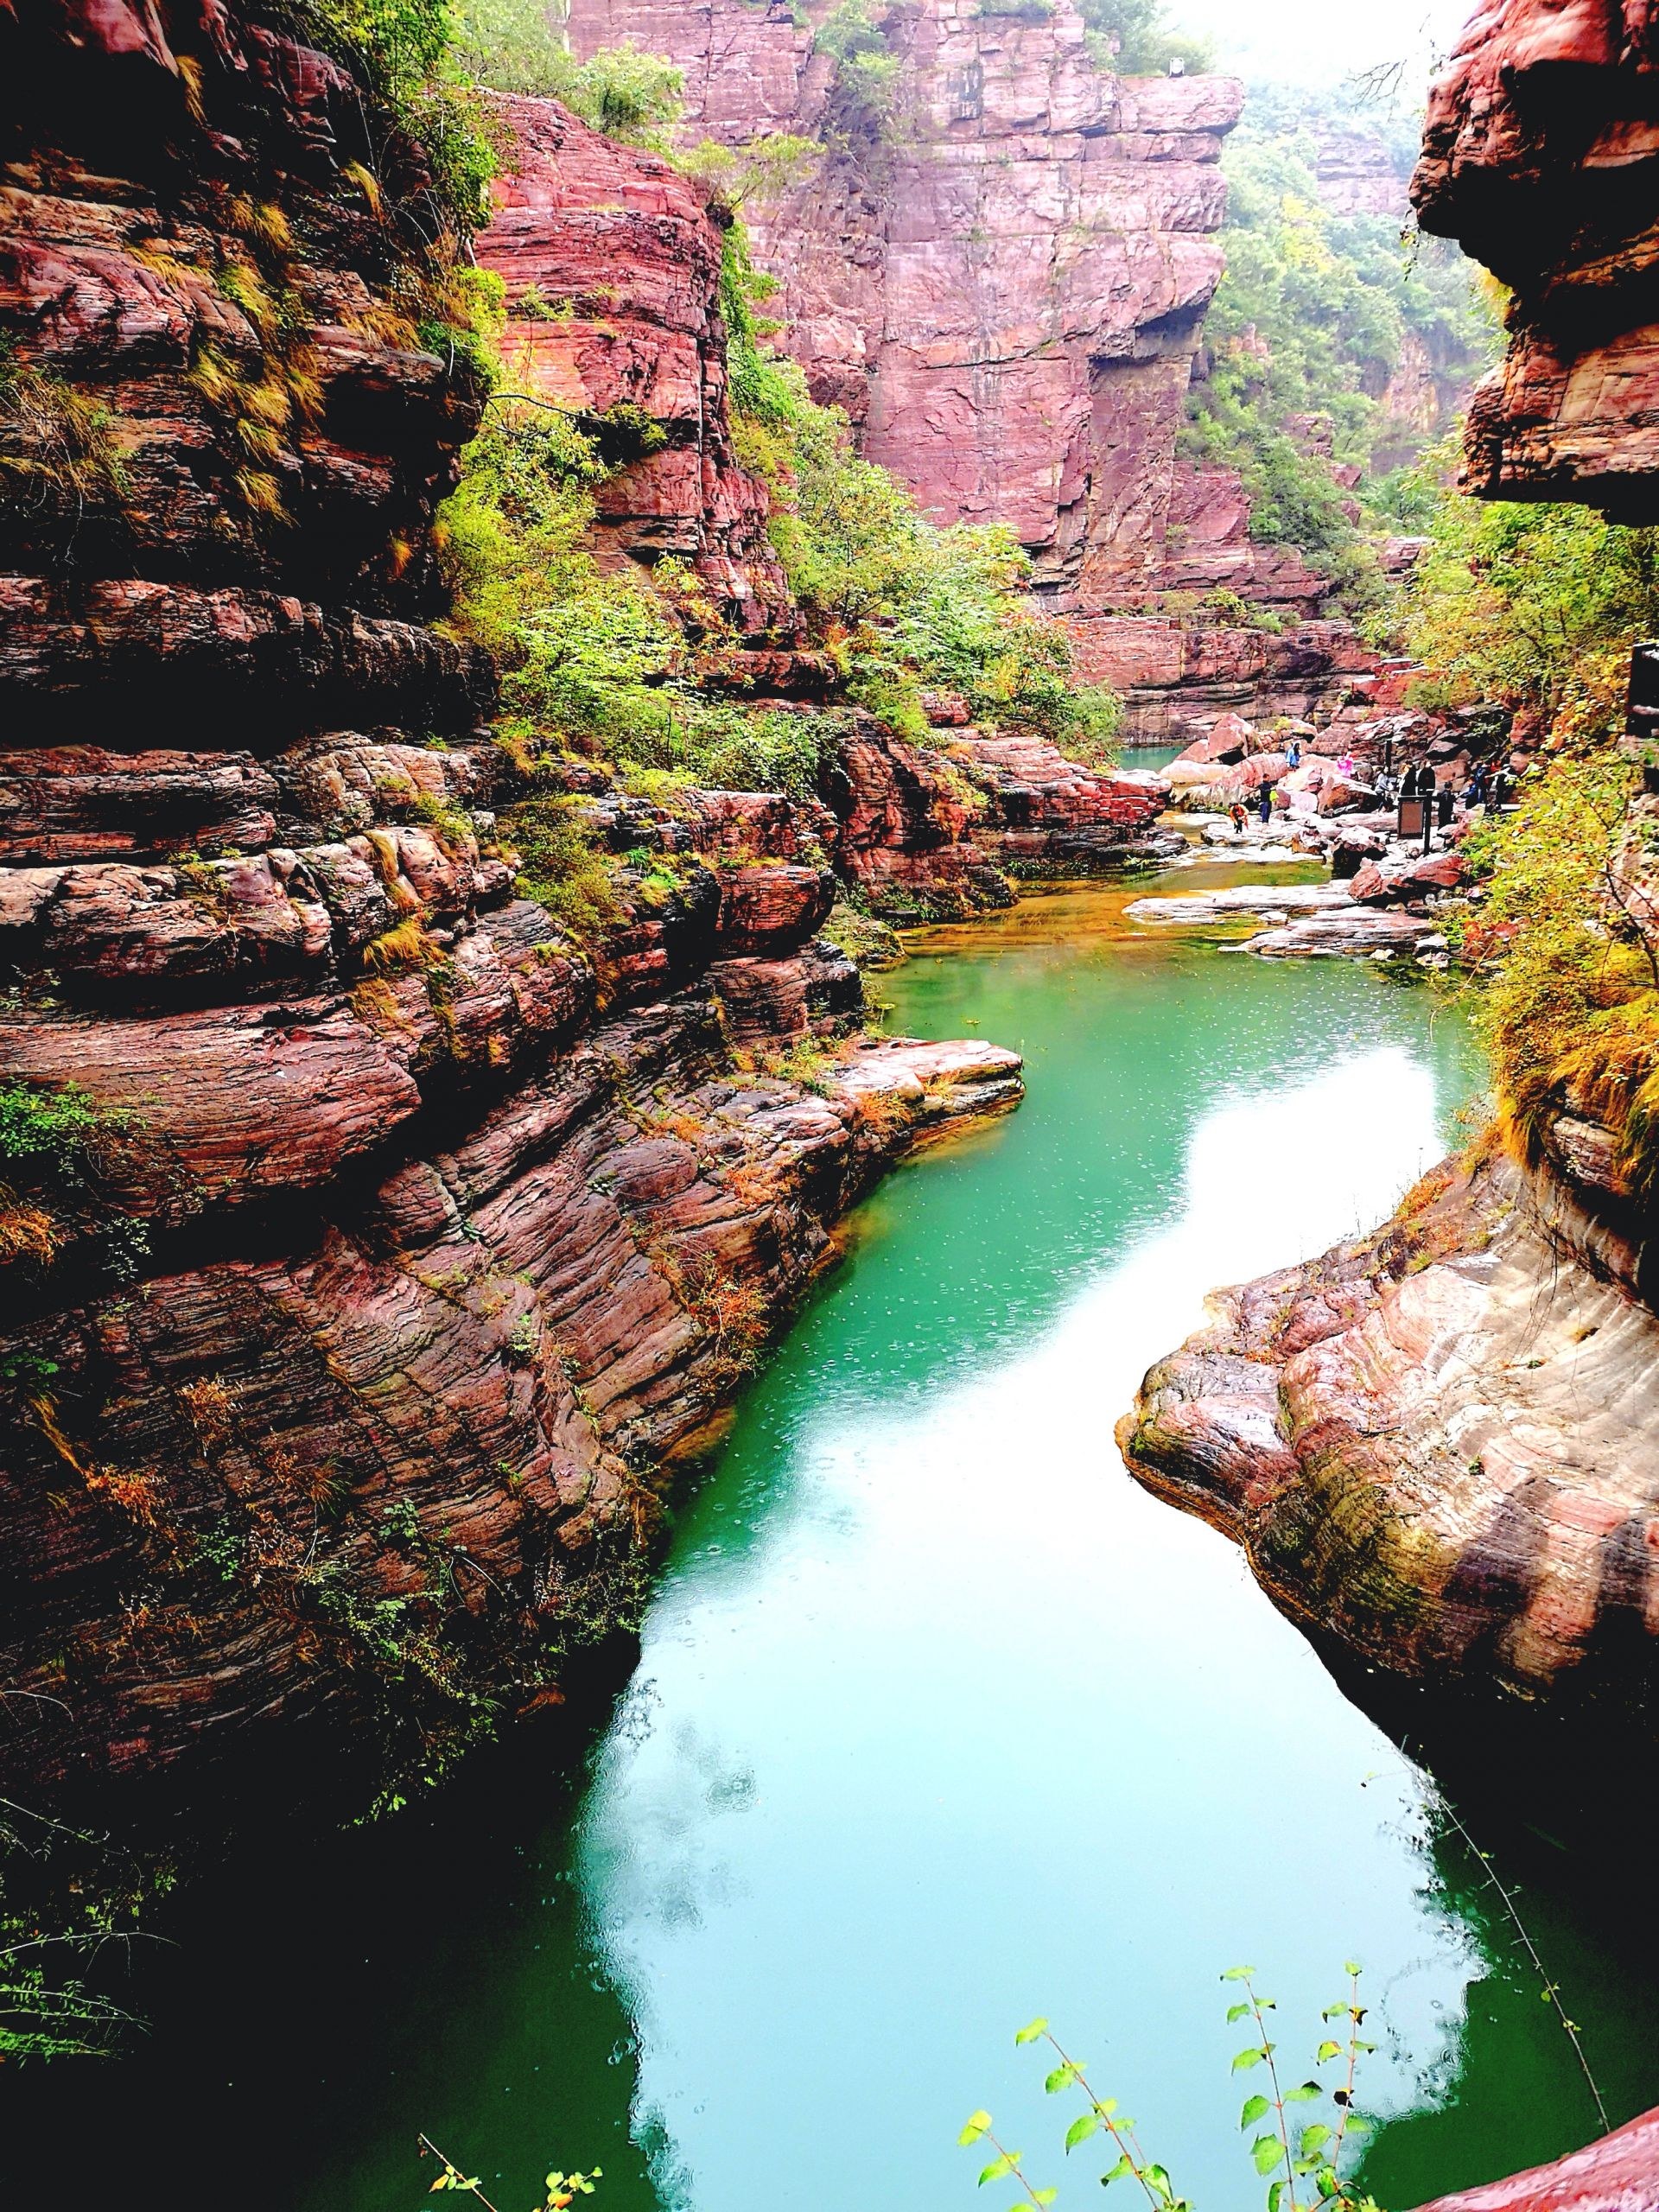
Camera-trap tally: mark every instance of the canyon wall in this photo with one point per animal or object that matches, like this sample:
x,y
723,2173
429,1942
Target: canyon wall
x,y
1540,156
1005,286
611,261
613,267
1004,280
369,1241
1437,1444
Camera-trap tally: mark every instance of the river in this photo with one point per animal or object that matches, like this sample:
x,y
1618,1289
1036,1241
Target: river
x,y
940,1721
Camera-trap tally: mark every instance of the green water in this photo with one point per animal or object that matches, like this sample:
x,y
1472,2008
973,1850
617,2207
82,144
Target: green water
x,y
939,1722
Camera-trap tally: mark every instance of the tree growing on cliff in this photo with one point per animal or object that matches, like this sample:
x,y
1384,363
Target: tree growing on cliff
x,y
1137,38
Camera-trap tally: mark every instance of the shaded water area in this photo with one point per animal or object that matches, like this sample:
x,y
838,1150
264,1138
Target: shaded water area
x,y
939,1722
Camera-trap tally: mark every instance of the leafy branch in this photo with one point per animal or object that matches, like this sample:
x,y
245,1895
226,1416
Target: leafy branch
x,y
1311,2154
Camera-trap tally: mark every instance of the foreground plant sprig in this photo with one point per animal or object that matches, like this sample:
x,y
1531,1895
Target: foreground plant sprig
x,y
562,2189
1305,2162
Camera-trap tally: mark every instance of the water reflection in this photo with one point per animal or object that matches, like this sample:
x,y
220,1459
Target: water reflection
x,y
940,1722
1009,1735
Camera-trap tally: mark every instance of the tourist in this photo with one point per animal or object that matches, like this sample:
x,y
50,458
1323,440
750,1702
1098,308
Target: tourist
x,y
1240,817
1264,804
1475,792
1345,765
1444,803
1293,752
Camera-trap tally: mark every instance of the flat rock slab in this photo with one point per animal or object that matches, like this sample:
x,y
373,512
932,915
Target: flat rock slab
x,y
932,1082
1240,900
1355,931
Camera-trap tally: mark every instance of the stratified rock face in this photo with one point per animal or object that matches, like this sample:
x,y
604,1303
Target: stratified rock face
x,y
1173,677
1617,2173
1006,298
337,1362
1540,156
611,262
1435,1444
1358,171
205,241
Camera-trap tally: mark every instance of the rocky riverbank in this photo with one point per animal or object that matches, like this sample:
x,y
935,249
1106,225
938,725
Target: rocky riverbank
x,y
1432,1442
389,1224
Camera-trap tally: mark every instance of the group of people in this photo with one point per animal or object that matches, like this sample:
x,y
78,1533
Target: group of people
x,y
1488,786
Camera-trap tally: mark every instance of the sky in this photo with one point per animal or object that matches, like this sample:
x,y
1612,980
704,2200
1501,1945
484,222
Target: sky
x,y
1316,39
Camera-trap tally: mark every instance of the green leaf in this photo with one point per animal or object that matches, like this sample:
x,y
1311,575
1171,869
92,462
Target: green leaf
x,y
1044,2195
1267,2151
998,2167
1357,2124
1303,2092
1253,2056
1236,2012
1121,2171
1156,2178
1061,2078
1350,1965
1081,2129
1031,2030
977,2124
1313,2137
1273,2195
1335,2012
1254,2108
1239,1973
1327,2051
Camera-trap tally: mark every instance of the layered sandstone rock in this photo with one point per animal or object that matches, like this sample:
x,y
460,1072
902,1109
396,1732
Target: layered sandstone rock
x,y
1176,677
1434,1444
1539,156
1007,295
612,262
341,1349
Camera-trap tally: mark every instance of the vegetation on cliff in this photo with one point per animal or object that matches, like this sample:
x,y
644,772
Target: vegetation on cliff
x,y
1313,324
1535,608
624,667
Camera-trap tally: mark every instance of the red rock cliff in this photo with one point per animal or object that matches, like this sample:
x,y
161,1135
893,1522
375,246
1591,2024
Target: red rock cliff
x,y
611,262
339,1352
1541,156
1007,296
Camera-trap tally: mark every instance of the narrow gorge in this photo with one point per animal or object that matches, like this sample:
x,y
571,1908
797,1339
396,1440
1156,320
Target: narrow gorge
x,y
735,735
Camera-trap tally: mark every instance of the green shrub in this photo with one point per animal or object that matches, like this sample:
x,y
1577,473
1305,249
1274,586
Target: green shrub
x,y
56,1148
508,46
403,51
867,71
560,865
1312,320
1537,606
1137,39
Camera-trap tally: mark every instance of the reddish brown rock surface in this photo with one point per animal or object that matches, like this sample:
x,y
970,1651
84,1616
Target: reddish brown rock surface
x,y
1007,297
338,1365
1539,156
612,263
1617,2173
1434,1444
